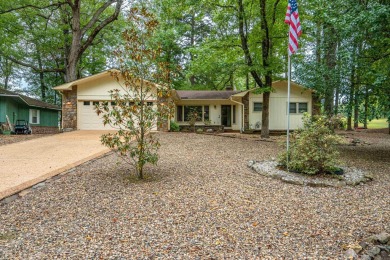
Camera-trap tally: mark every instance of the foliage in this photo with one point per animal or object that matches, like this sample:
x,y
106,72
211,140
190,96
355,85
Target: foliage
x,y
131,111
174,126
336,122
192,117
312,149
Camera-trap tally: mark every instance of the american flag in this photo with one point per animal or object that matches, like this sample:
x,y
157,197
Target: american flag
x,y
292,19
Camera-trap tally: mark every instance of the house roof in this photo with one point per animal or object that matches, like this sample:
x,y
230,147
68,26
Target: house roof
x,y
103,74
69,85
27,100
205,94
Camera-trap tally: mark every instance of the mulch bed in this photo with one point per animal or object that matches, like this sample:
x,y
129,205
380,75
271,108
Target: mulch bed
x,y
200,201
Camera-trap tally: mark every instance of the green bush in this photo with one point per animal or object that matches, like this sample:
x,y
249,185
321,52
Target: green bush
x,y
174,127
313,149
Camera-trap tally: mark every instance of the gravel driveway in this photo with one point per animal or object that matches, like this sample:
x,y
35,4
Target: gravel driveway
x,y
201,201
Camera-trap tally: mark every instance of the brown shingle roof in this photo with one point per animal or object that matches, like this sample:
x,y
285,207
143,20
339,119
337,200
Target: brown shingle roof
x,y
205,94
29,101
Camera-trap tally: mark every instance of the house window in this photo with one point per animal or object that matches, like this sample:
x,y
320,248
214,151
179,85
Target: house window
x,y
34,116
189,109
95,103
298,108
234,114
179,116
86,103
113,103
257,106
149,104
206,113
182,113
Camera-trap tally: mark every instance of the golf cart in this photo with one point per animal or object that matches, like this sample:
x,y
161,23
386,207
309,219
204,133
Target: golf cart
x,y
22,127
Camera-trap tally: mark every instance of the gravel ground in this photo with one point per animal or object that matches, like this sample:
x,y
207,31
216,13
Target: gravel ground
x,y
200,202
9,139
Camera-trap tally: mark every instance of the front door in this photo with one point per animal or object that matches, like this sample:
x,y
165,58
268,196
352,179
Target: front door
x,y
226,115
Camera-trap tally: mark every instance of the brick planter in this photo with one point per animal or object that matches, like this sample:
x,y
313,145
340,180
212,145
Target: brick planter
x,y
203,128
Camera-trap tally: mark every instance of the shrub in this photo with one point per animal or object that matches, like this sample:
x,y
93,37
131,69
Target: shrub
x,y
313,148
174,127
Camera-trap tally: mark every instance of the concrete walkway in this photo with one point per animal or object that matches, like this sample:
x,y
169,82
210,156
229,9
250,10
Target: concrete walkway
x,y
27,163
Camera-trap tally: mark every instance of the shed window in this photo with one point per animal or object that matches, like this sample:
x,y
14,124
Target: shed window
x,y
34,116
302,108
298,108
293,108
257,106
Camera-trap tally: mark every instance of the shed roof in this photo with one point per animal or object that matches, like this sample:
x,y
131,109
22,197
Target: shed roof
x,y
27,100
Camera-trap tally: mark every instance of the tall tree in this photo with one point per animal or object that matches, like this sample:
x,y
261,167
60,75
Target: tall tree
x,y
76,23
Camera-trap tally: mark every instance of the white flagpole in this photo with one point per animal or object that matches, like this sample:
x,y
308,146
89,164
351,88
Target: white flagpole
x,y
288,107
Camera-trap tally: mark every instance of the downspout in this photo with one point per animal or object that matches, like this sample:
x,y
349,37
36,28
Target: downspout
x,y
242,116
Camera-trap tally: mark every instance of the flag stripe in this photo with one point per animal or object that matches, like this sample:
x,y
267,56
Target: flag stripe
x,y
292,19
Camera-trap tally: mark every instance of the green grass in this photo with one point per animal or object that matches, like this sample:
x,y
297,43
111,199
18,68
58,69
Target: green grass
x,y
376,124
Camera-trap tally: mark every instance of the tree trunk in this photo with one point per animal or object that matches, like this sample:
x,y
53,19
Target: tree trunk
x,y
266,56
366,100
330,61
356,110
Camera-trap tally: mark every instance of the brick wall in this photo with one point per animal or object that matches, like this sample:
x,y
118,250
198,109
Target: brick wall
x,y
69,109
245,101
44,129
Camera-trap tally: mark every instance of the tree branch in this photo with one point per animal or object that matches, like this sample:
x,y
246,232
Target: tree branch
x,y
96,15
104,23
31,66
32,6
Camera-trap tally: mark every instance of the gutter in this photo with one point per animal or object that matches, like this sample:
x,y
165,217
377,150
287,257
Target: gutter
x,y
242,116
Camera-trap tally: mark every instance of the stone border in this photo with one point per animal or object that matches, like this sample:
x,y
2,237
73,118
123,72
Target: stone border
x,y
351,176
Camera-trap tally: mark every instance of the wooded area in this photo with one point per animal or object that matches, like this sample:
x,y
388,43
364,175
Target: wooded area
x,y
344,50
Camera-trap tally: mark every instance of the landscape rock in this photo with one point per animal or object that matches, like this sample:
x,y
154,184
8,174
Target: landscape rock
x,y
385,255
39,185
365,257
383,237
374,251
24,192
350,254
10,199
351,176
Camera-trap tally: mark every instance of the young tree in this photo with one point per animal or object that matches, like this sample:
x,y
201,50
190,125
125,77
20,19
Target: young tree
x,y
142,79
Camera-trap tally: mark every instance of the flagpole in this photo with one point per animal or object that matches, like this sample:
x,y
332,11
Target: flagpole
x,y
288,108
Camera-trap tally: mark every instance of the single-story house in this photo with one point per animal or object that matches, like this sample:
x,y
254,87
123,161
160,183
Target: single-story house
x,y
80,96
43,117
242,110
235,110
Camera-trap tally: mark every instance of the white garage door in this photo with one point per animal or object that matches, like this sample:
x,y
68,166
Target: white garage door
x,y
87,117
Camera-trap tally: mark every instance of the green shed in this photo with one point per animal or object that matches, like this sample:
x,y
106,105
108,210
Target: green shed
x,y
43,117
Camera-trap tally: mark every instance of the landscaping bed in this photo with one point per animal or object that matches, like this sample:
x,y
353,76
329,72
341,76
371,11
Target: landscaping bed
x,y
200,201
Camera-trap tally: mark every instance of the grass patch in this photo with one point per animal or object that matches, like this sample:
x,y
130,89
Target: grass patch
x,y
376,124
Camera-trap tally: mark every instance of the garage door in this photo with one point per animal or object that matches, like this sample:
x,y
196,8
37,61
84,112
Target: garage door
x,y
87,117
